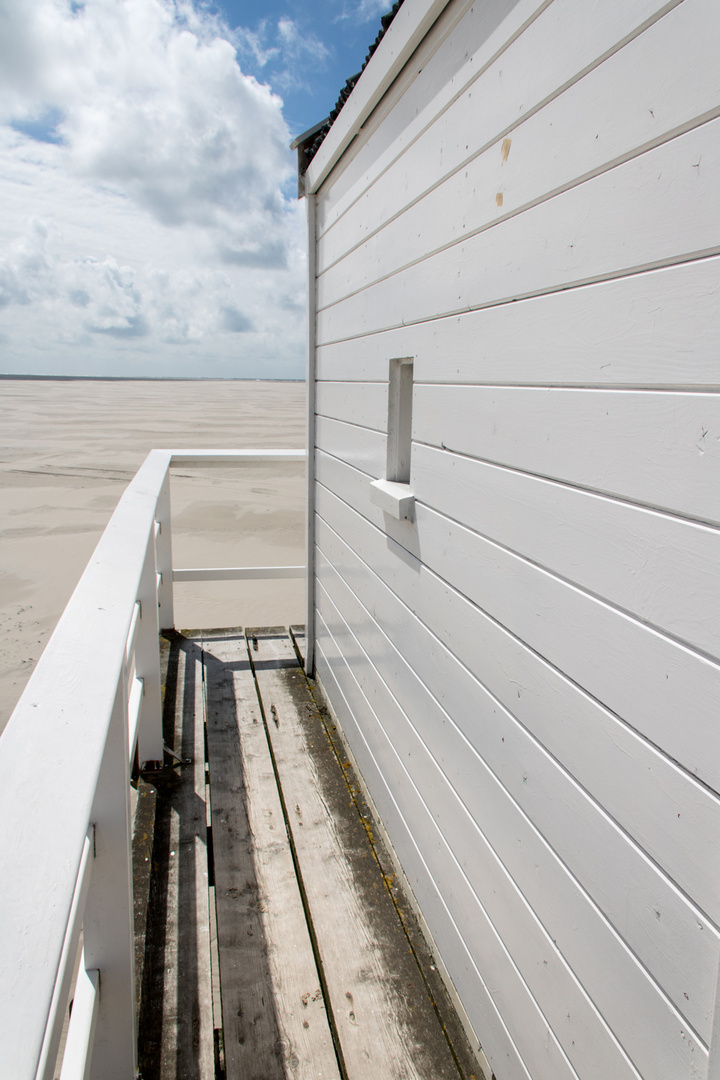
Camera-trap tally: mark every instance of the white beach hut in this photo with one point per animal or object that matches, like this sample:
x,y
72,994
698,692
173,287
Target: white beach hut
x,y
515,605
514,597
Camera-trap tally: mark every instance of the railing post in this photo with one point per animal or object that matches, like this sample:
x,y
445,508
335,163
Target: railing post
x,y
82,1024
147,663
109,944
163,556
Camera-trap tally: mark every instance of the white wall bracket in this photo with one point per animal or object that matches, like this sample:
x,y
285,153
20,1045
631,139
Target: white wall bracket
x,y
394,498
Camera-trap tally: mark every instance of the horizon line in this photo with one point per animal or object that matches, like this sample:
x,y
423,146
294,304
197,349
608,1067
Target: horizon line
x,y
147,378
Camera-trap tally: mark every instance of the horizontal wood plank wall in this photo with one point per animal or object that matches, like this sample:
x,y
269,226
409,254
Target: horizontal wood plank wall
x,y
528,672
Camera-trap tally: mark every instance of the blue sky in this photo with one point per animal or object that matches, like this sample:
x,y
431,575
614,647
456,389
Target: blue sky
x,y
333,37
148,219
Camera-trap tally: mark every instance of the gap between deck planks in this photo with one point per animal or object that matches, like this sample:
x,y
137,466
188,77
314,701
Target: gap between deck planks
x,y
317,972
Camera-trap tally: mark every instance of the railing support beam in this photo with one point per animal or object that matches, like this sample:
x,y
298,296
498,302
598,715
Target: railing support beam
x,y
238,573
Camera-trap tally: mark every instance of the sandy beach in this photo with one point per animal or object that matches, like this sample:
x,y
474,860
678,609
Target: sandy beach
x,y
69,448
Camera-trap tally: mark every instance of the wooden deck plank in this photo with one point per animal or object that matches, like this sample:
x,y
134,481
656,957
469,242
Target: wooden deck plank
x,y
385,1020
274,1019
381,1020
176,1023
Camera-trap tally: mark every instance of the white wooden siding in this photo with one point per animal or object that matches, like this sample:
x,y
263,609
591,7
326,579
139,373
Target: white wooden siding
x,y
650,211
434,87
659,449
503,52
537,786
657,328
646,563
645,677
676,822
363,404
528,673
531,161
555,934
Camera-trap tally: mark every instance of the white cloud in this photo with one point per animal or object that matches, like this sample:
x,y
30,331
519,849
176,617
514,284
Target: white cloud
x,y
168,197
365,10
297,45
283,47
86,303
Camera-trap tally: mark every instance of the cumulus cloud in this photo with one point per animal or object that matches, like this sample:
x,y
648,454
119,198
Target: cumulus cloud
x,y
101,296
149,110
146,98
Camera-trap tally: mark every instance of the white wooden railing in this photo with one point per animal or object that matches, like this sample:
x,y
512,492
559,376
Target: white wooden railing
x,y
91,707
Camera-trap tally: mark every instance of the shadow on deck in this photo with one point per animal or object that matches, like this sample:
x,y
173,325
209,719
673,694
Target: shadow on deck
x,y
272,939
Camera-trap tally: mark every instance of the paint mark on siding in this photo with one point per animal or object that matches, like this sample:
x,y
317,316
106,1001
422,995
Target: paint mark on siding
x,y
499,198
505,149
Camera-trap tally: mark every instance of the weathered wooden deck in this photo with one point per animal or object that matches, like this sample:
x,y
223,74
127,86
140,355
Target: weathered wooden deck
x,y
272,938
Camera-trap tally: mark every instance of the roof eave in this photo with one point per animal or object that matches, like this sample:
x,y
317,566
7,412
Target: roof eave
x,y
299,144
403,36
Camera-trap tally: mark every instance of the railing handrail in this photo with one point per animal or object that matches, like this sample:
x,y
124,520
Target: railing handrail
x,y
231,457
54,752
